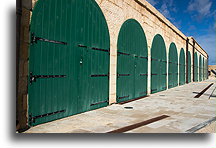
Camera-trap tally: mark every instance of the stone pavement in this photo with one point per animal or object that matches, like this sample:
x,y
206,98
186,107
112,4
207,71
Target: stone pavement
x,y
179,103
208,129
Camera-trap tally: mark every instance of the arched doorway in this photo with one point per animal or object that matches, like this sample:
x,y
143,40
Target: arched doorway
x,y
189,67
158,65
200,68
182,67
132,64
173,66
69,59
195,67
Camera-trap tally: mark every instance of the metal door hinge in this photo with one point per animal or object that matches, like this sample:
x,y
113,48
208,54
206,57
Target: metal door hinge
x,y
143,57
102,75
35,39
153,90
98,103
143,74
32,119
123,53
94,48
123,97
33,78
122,75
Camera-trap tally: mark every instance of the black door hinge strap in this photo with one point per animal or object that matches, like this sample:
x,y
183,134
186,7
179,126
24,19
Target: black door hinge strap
x,y
33,78
32,119
35,39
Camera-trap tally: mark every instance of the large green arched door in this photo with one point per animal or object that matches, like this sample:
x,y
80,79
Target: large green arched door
x,y
69,59
203,69
189,67
173,66
158,65
195,67
200,68
132,64
182,67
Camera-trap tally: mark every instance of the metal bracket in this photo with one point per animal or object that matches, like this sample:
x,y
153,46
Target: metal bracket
x,y
153,90
94,48
99,49
33,78
120,75
32,119
102,75
123,97
123,53
99,103
143,74
144,58
35,39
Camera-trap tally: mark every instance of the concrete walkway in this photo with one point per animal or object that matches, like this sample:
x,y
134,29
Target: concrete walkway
x,y
179,103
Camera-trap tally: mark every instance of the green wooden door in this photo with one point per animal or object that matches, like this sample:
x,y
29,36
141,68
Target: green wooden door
x,y
132,62
158,65
173,66
203,69
68,61
195,67
189,67
182,73
200,68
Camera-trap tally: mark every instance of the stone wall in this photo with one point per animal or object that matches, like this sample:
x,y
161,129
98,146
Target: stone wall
x,y
23,19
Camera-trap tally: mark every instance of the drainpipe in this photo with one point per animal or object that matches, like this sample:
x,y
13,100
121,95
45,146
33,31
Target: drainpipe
x,y
187,42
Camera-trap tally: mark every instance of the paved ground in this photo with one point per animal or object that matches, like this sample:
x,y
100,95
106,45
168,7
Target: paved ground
x,y
179,103
208,129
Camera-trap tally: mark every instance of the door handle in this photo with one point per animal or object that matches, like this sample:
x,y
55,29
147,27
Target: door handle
x,y
81,61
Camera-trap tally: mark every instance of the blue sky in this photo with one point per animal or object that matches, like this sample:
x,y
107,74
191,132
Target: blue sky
x,y
195,18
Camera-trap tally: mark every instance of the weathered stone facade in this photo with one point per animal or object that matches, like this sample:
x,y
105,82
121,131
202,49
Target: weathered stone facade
x,y
116,13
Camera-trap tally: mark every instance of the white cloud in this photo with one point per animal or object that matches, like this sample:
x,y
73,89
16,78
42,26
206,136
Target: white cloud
x,y
201,6
167,7
152,2
165,11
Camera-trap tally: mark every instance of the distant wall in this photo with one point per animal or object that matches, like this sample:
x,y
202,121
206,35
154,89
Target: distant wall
x,y
212,67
